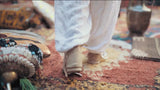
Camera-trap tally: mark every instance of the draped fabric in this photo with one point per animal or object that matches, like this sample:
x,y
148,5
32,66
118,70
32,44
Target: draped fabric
x,y
85,22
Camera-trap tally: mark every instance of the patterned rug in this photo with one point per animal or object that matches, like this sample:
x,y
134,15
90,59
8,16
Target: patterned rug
x,y
118,72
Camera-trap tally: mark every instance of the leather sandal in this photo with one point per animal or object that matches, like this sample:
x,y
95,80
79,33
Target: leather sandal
x,y
73,62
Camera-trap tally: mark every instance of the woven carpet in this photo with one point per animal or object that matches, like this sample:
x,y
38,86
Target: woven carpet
x,y
118,72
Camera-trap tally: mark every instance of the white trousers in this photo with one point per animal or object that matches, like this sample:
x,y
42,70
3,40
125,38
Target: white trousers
x,y
85,22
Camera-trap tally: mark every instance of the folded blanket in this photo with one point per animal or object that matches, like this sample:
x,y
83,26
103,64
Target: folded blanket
x,y
146,48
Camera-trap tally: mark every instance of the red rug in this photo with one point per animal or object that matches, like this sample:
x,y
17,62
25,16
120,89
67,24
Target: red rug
x,y
118,72
123,74
127,74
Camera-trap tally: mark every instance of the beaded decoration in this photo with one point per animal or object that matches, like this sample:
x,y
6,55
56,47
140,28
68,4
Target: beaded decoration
x,y
24,59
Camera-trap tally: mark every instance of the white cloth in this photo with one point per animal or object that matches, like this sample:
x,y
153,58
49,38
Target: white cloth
x,y
45,9
85,22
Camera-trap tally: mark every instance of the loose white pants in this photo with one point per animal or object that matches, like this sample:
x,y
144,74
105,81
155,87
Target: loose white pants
x,y
85,22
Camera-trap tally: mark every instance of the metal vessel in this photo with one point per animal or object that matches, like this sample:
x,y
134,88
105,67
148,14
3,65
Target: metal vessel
x,y
138,16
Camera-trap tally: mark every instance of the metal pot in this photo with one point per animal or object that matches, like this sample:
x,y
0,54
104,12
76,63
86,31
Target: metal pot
x,y
138,16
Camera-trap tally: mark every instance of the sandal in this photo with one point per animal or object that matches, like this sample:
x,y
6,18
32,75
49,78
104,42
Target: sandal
x,y
73,62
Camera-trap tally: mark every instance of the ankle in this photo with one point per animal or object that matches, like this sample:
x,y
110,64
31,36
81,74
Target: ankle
x,y
94,58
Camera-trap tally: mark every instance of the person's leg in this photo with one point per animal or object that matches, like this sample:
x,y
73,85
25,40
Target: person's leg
x,y
72,24
72,29
104,17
